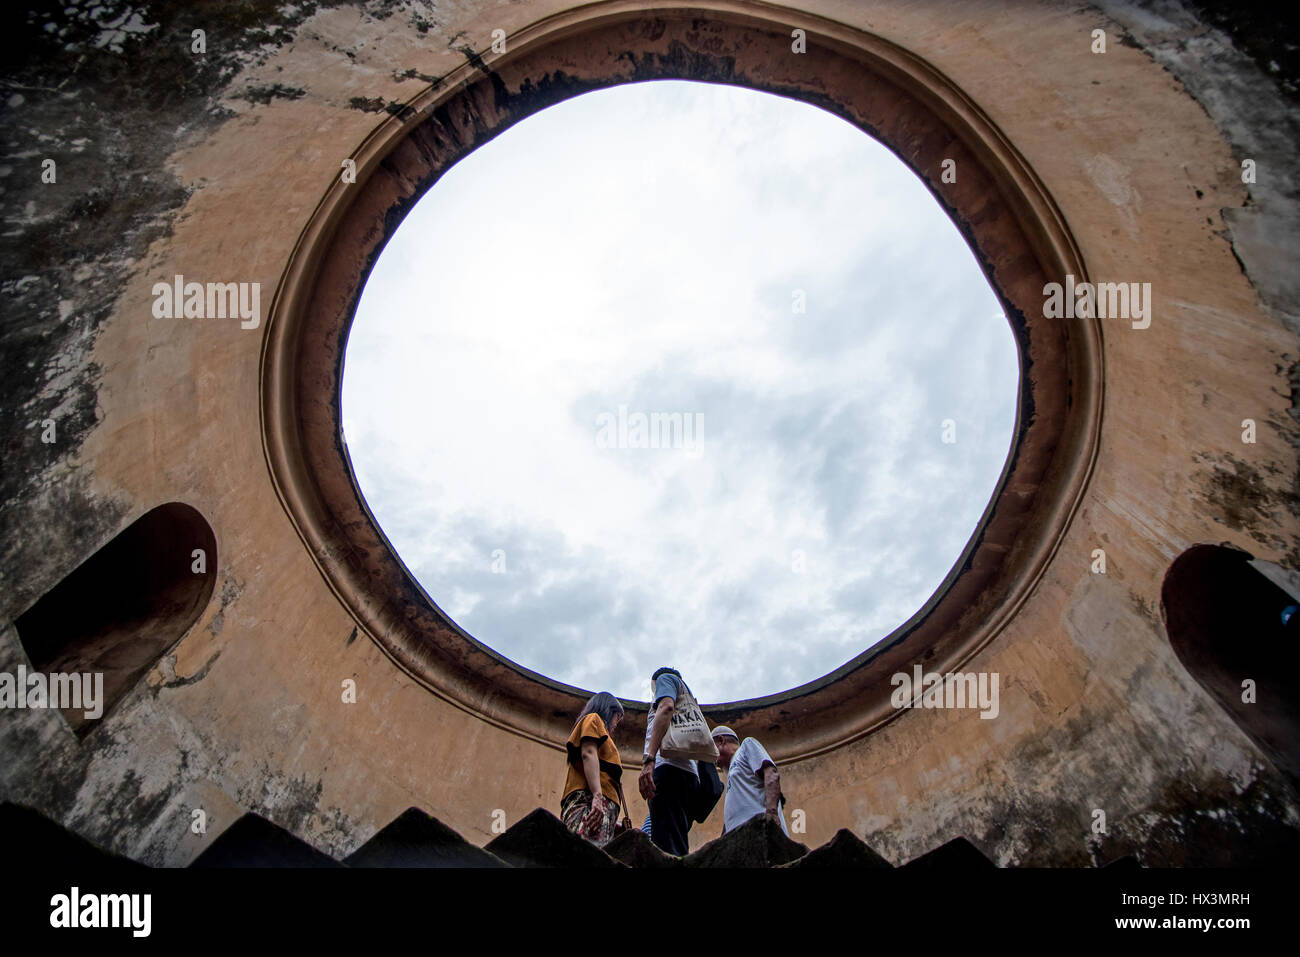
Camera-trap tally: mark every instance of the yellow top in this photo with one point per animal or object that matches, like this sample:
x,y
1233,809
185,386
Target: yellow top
x,y
591,728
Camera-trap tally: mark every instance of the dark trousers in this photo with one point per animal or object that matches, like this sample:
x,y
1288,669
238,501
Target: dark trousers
x,y
670,817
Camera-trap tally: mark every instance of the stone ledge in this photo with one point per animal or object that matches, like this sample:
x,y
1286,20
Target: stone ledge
x,y
759,842
417,839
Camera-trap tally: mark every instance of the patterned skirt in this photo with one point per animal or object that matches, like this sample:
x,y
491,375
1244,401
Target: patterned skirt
x,y
577,814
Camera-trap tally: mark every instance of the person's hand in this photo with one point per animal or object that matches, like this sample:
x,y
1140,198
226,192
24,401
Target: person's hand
x,y
596,816
647,781
627,823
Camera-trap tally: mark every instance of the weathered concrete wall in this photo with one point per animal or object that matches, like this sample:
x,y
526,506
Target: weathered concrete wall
x,y
209,166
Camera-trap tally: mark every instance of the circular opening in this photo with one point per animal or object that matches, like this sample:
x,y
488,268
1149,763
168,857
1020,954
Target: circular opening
x,y
1020,240
702,376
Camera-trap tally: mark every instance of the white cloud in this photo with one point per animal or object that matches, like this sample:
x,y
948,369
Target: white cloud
x,y
639,246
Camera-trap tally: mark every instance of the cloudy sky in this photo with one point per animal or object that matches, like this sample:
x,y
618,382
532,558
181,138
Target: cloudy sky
x,y
647,249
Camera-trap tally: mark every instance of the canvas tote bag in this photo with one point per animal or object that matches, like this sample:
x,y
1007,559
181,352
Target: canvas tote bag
x,y
688,737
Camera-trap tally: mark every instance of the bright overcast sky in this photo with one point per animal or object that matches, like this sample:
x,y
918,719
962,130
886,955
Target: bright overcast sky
x,y
642,247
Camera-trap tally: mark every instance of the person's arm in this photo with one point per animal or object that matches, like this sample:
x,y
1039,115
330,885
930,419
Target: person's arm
x,y
771,790
663,715
591,767
663,718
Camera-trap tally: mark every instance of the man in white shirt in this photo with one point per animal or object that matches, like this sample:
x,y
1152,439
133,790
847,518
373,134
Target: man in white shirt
x,y
753,782
670,786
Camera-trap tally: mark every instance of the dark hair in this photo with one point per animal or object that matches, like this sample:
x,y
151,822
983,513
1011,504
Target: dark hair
x,y
666,671
605,705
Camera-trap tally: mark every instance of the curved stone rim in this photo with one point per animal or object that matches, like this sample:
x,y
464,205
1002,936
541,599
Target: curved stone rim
x,y
1015,229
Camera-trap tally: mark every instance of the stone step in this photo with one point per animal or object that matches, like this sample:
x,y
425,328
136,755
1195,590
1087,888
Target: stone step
x,y
759,842
253,841
29,836
635,849
542,840
843,850
958,854
417,839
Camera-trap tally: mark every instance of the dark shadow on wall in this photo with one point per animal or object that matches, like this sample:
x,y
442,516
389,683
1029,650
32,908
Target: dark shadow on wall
x,y
1225,622
123,607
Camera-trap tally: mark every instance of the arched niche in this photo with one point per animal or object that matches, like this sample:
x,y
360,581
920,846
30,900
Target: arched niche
x,y
1224,619
119,611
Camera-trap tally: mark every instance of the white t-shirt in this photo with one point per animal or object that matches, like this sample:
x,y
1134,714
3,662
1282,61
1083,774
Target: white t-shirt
x,y
745,792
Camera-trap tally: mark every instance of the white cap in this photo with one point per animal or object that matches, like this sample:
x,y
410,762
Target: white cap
x,y
723,729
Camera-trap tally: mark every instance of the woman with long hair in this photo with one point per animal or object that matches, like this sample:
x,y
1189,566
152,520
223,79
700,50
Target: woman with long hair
x,y
593,788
